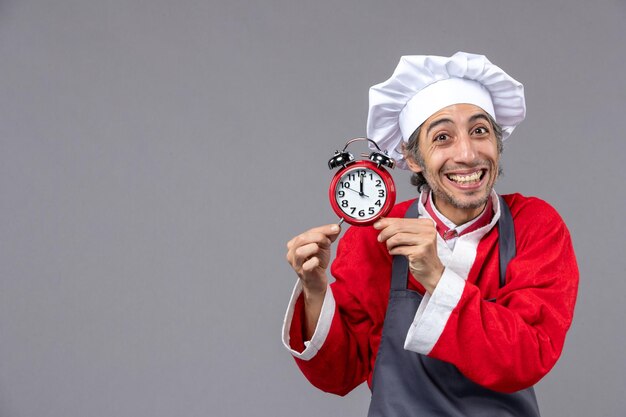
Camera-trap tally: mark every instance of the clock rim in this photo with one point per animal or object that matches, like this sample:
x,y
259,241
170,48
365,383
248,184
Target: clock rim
x,y
388,181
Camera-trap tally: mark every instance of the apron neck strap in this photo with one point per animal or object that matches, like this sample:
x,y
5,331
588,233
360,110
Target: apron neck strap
x,y
400,265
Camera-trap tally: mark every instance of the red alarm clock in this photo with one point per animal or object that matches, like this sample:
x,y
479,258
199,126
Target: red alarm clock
x,y
361,192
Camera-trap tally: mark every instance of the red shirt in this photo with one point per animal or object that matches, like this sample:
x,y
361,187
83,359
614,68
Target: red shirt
x,y
506,345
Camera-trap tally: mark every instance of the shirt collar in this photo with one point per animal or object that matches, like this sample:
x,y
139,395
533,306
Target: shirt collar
x,y
446,228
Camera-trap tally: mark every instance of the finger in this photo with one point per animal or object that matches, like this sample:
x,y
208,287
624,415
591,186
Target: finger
x,y
411,252
416,226
400,250
306,251
406,239
395,229
323,234
328,229
335,229
388,221
311,264
291,258
296,260
403,222
331,231
311,237
292,251
309,232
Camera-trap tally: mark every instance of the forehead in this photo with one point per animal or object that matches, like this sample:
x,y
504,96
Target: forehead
x,y
456,113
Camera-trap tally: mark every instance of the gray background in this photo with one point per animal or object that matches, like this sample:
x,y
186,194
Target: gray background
x,y
155,157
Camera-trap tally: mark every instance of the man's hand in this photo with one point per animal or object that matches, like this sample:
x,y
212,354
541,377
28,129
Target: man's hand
x,y
417,240
309,255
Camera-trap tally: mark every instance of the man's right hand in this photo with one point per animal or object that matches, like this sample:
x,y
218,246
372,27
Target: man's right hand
x,y
309,255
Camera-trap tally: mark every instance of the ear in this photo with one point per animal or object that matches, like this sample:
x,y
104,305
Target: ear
x,y
410,160
412,164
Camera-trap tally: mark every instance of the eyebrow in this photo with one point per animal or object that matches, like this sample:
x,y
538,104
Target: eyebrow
x,y
446,120
478,116
437,123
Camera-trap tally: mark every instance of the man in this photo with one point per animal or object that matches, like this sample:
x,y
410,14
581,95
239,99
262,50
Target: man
x,y
458,302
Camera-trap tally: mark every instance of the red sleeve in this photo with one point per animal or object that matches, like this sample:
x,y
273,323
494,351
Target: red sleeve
x,y
362,270
510,344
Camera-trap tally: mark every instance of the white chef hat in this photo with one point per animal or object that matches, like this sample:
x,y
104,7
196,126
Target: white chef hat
x,y
421,85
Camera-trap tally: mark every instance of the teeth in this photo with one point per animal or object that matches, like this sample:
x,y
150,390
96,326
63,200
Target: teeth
x,y
465,178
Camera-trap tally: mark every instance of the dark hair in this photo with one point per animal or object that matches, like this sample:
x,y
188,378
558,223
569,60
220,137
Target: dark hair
x,y
412,148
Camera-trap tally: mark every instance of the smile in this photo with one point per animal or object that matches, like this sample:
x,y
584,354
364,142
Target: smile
x,y
466,179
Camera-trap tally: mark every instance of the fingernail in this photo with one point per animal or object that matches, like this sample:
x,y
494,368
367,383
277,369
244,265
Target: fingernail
x,y
376,225
334,228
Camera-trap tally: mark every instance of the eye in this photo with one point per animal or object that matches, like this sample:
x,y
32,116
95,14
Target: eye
x,y
481,130
440,138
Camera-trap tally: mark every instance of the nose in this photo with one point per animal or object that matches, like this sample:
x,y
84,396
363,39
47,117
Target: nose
x,y
465,151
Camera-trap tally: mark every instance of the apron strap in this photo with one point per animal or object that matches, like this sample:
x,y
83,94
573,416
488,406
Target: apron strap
x,y
506,239
400,265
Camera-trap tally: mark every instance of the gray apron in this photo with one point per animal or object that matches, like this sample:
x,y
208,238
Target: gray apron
x,y
407,384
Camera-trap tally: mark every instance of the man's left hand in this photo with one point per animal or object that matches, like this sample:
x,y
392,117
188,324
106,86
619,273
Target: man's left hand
x,y
417,240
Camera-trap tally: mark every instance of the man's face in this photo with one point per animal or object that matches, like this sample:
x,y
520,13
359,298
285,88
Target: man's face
x,y
460,159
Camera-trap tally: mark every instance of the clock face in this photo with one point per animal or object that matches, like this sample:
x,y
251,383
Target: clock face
x,y
361,194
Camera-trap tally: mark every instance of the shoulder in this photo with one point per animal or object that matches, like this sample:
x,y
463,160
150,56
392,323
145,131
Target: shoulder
x,y
534,217
525,208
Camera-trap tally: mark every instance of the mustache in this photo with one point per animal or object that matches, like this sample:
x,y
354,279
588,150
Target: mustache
x,y
478,164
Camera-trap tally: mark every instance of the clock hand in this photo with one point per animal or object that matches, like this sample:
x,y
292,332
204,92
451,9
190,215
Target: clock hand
x,y
361,194
361,185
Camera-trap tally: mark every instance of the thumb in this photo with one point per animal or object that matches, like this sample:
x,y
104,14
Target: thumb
x,y
333,232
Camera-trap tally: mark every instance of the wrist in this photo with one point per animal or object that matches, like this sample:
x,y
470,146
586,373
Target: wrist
x,y
314,285
431,283
314,294
313,304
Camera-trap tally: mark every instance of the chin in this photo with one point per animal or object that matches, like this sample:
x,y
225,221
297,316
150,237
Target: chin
x,y
466,201
472,203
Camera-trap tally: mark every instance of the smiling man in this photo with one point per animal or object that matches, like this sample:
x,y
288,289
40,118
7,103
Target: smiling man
x,y
458,302
463,153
